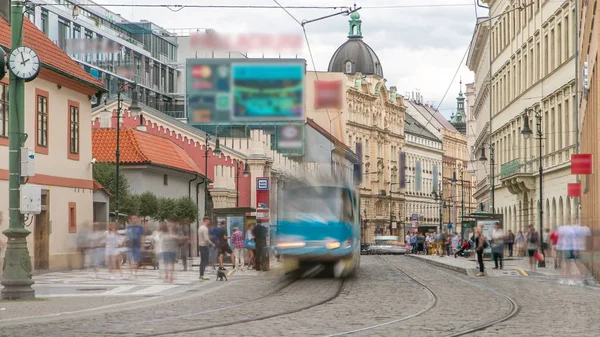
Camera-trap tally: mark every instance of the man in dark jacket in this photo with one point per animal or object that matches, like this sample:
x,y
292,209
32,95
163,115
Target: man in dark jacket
x,y
260,237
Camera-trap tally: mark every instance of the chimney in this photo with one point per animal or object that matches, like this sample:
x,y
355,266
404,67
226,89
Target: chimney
x,y
5,10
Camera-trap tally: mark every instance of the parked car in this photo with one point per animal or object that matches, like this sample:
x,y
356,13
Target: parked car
x,y
385,245
365,248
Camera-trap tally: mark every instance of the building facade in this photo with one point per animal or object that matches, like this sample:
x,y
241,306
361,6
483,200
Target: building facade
x,y
589,83
56,103
423,161
532,72
113,49
456,195
370,115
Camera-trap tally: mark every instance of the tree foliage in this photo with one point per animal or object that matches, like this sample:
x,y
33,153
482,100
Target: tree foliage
x,y
186,211
129,204
106,175
148,205
166,209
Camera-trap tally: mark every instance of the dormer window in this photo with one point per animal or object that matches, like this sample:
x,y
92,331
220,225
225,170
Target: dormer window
x,y
348,67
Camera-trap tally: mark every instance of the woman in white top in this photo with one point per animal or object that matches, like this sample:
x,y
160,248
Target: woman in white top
x,y
497,245
113,241
157,241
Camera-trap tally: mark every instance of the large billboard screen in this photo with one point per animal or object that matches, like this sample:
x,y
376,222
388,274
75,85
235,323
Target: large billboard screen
x,y
245,91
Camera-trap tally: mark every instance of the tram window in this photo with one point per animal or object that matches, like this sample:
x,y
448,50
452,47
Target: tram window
x,y
347,207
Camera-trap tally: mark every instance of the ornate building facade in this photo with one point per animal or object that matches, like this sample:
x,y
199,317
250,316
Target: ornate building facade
x,y
532,74
371,117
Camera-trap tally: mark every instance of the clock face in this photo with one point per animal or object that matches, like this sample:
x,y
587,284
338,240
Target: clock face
x,y
24,63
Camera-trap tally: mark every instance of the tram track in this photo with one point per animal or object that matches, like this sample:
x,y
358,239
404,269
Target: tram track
x,y
294,279
513,307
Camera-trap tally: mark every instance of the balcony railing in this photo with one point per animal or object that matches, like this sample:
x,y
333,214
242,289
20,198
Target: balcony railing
x,y
512,167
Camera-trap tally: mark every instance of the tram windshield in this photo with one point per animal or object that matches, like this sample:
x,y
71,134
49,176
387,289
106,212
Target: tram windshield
x,y
325,202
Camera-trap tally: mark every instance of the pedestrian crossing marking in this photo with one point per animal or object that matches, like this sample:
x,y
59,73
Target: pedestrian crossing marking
x,y
153,290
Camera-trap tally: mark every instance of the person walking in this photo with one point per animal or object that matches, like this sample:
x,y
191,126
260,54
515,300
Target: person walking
x,y
520,240
498,246
204,243
480,246
239,249
510,241
135,234
533,242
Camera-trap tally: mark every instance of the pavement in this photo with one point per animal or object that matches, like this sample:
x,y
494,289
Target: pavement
x,y
513,267
389,296
147,282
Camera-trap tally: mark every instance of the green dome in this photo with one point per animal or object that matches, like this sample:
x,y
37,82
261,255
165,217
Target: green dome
x,y
355,16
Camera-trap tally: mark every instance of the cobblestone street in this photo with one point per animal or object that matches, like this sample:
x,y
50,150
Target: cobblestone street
x,y
390,296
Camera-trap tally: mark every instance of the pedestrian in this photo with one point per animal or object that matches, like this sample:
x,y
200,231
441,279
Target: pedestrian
x,y
520,240
157,243
214,252
480,246
510,241
169,248
413,242
533,243
183,244
455,243
204,243
498,246
239,249
546,242
135,235
566,244
223,245
260,238
112,250
555,251
250,245
582,233
97,244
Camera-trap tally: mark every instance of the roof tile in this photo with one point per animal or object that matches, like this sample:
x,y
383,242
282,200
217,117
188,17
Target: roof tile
x,y
49,53
138,147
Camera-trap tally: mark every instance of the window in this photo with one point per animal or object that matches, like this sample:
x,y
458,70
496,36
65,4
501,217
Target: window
x,y
567,54
42,122
348,67
73,130
3,111
63,32
45,21
165,180
72,217
559,48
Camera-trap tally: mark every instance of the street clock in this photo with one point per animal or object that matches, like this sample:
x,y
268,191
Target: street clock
x,y
24,63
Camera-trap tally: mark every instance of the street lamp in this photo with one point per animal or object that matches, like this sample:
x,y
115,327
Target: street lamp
x,y
246,173
391,219
527,132
482,159
438,197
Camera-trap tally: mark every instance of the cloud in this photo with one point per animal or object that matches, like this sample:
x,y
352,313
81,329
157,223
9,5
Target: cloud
x,y
420,48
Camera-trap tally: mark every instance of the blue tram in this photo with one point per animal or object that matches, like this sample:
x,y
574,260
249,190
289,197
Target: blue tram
x,y
320,224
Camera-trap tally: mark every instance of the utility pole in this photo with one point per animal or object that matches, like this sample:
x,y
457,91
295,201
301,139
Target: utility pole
x,y
17,279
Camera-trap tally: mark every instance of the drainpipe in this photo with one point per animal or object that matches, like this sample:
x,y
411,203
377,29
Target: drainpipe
x,y
197,218
190,186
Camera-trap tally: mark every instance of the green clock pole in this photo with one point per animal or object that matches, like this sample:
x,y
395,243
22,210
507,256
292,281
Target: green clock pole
x,y
17,268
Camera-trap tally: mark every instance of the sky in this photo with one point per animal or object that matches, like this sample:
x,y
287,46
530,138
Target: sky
x,y
420,42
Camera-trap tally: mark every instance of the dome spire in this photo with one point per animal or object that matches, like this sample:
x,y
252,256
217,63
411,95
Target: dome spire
x,y
355,25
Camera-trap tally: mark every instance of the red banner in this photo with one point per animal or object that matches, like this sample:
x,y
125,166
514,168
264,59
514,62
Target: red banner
x,y
574,190
328,94
262,199
581,163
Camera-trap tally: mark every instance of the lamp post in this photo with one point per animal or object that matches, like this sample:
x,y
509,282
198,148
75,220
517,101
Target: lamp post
x,y
216,151
462,192
134,110
17,277
438,197
391,217
483,158
246,173
526,132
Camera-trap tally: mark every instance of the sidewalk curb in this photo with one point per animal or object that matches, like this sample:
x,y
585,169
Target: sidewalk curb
x,y
439,264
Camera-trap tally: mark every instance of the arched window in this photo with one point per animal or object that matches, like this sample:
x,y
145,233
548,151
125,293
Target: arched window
x,y
348,67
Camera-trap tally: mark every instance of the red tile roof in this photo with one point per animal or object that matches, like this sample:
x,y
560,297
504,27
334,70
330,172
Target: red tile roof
x,y
50,54
139,147
98,186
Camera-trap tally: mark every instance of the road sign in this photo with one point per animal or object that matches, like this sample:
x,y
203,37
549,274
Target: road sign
x,y
262,184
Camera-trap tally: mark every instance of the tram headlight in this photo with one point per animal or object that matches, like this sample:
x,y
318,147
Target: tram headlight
x,y
291,244
333,245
